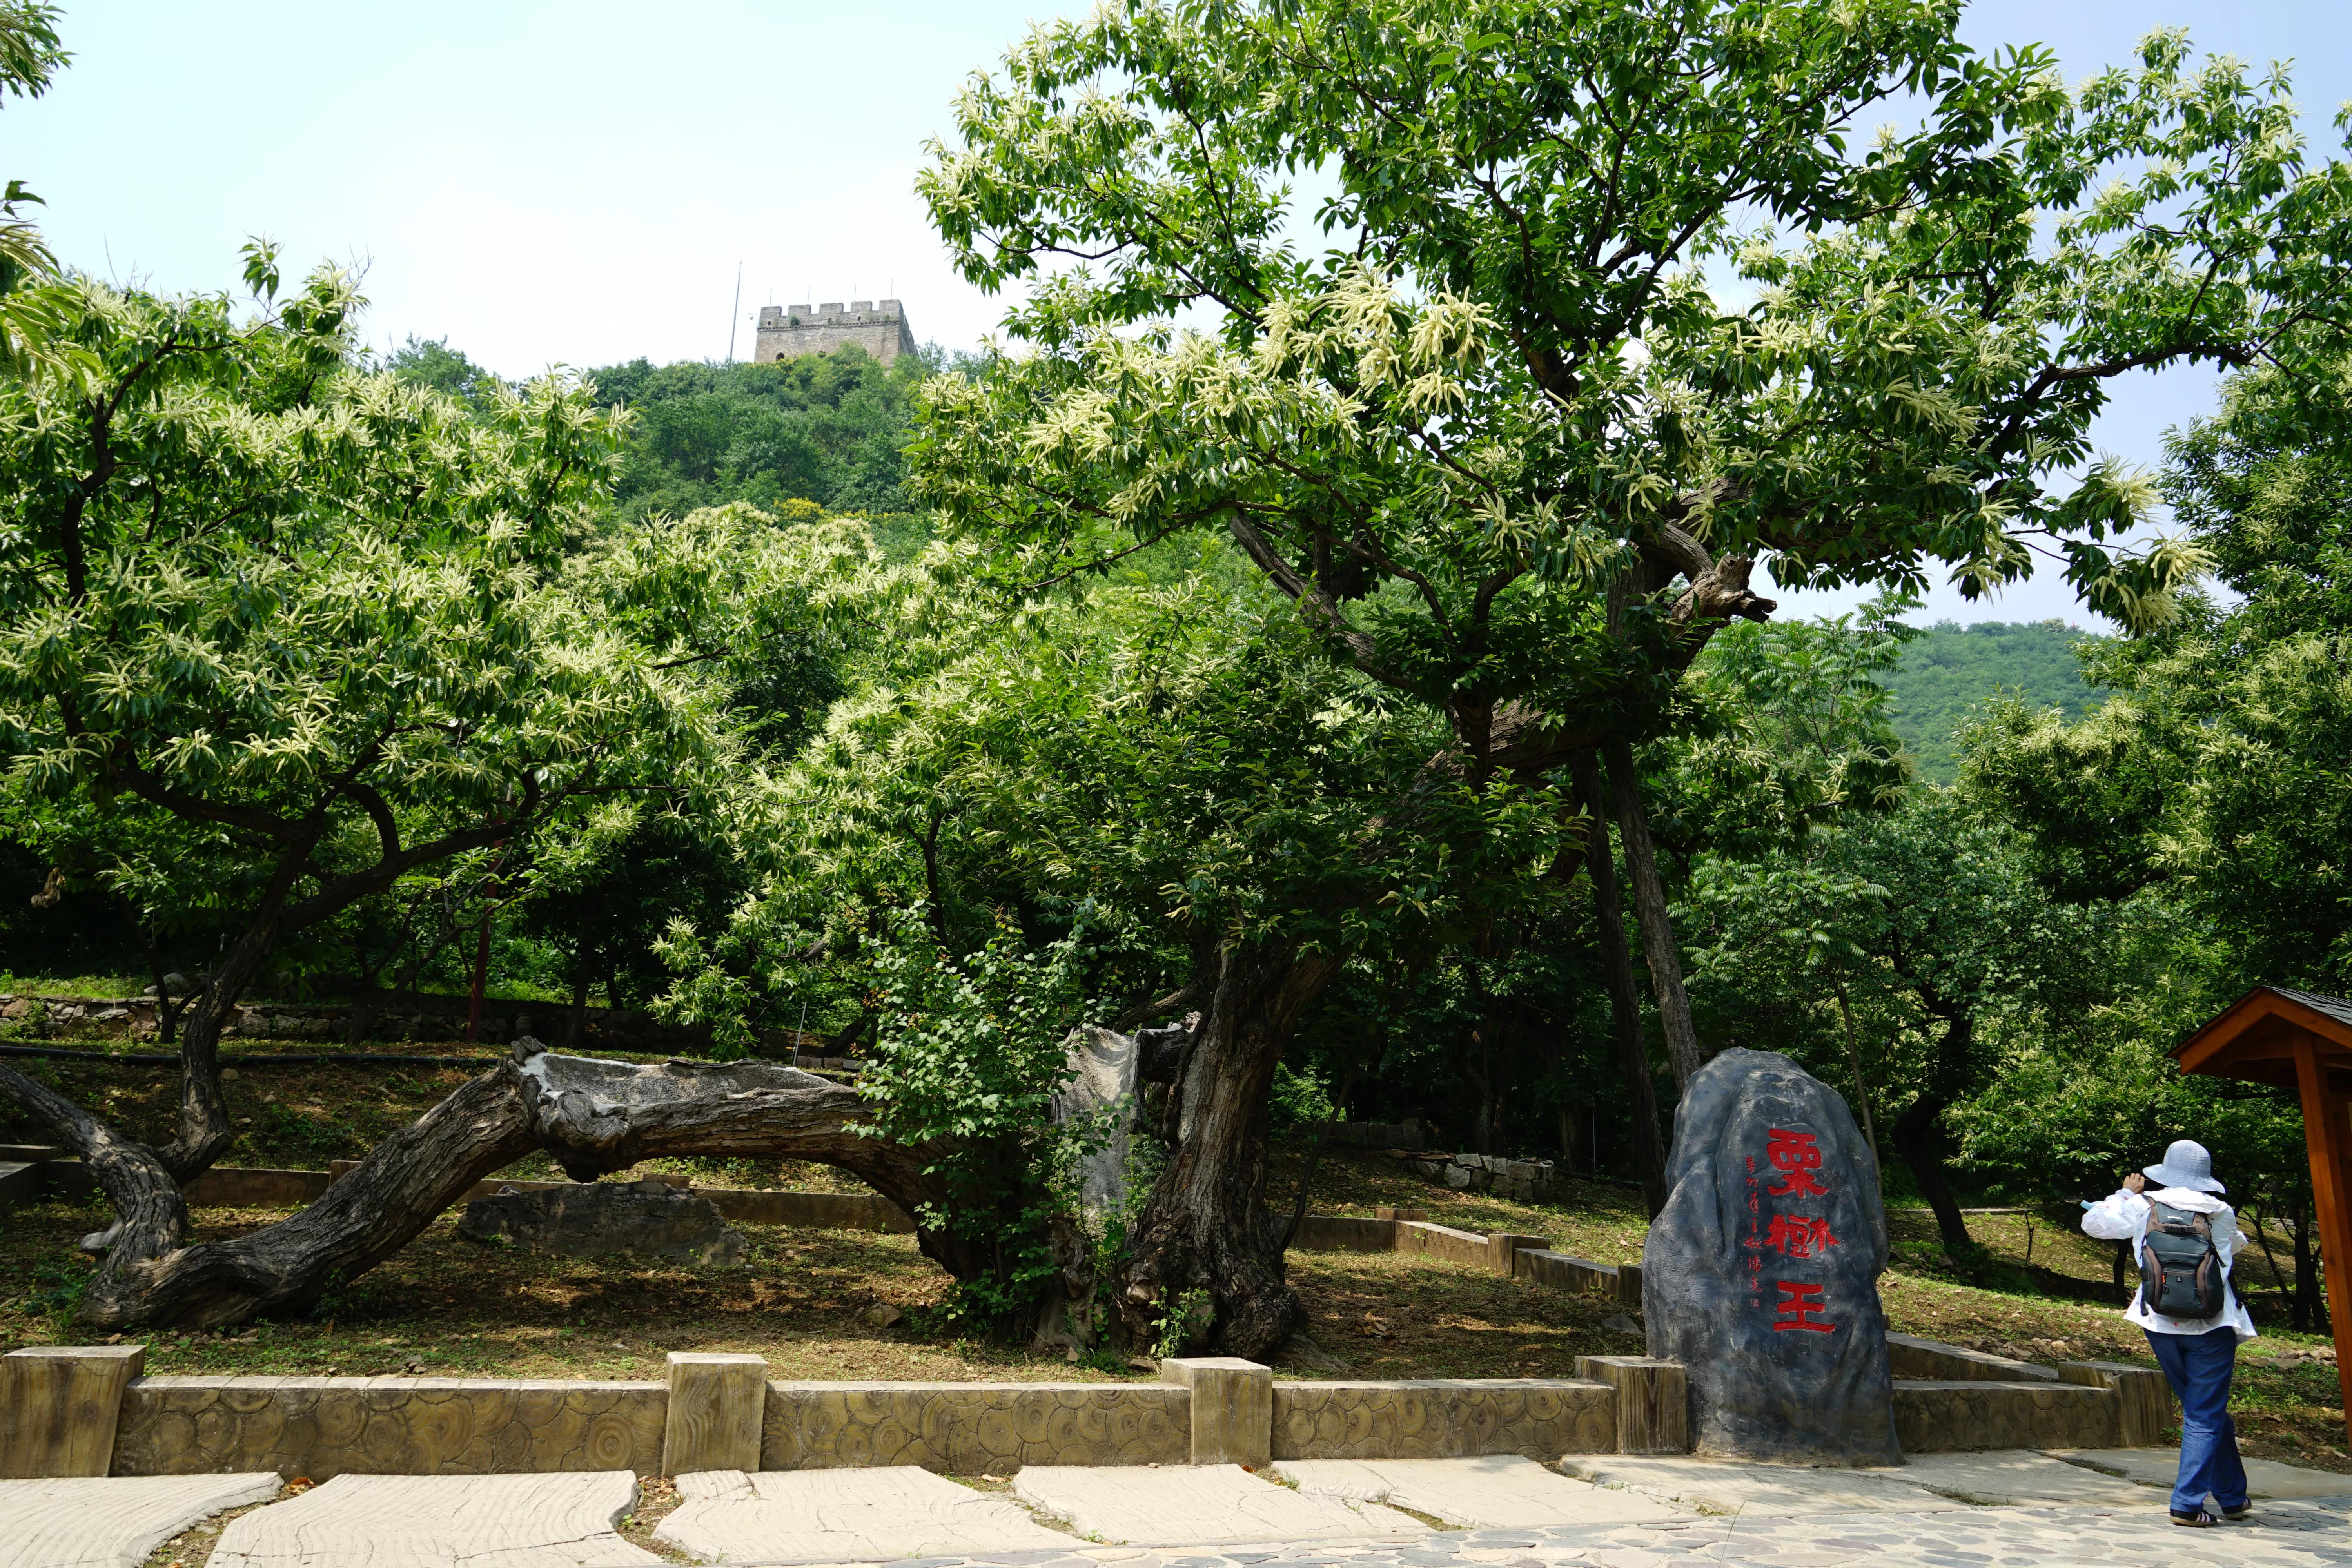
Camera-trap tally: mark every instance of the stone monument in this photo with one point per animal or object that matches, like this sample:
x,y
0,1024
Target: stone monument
x,y
1760,1275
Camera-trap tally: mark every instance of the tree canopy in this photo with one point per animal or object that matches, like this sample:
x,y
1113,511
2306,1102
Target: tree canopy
x,y
1326,618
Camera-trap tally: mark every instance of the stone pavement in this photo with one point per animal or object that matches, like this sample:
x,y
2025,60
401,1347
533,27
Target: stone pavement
x,y
2016,1477
1719,1486
2016,1509
2316,1533
1188,1505
1499,1492
2157,1467
844,1515
563,1519
111,1522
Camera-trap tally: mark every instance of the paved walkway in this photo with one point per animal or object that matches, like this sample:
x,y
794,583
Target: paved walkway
x,y
559,1521
2299,1534
2015,1510
844,1516
111,1522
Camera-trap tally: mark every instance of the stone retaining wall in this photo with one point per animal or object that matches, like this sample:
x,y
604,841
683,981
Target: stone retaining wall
x,y
1541,1418
1581,1275
323,1426
972,1428
68,1410
1960,1416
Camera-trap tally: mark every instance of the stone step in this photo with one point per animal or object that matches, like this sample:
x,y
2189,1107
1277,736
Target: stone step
x,y
559,1521
1763,1490
844,1516
111,1522
1196,1505
1498,1491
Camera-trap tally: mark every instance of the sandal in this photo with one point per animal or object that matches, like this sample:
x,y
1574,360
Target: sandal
x,y
2200,1520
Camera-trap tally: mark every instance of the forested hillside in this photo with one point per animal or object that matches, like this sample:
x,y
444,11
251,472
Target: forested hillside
x,y
1949,668
826,428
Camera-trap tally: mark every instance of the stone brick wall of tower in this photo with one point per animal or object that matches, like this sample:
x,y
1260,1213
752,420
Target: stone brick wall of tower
x,y
786,331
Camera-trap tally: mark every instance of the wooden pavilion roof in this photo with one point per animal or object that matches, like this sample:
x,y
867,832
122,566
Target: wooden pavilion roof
x,y
2254,1038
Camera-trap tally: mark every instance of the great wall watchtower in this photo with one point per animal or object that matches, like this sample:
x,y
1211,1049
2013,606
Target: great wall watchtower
x,y
787,331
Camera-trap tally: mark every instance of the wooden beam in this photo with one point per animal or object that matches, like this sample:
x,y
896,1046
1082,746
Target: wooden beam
x,y
2327,1137
2263,1025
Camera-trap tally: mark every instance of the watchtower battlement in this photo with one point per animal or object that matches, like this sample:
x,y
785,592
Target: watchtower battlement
x,y
880,329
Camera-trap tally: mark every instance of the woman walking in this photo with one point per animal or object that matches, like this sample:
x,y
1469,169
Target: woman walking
x,y
2184,1237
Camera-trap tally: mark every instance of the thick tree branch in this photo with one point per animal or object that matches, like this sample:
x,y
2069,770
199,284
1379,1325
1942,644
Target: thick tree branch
x,y
1322,610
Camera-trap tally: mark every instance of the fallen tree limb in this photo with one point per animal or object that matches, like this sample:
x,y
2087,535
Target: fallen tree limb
x,y
593,1115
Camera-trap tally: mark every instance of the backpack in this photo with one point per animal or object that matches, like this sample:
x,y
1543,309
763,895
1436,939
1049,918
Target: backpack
x,y
2180,1271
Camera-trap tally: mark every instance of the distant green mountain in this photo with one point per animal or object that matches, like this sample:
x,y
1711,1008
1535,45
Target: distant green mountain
x,y
1950,668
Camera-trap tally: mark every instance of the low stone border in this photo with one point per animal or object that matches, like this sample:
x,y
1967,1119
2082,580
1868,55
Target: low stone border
x,y
1964,1415
1505,1252
85,1411
255,1187
1539,1417
1927,1361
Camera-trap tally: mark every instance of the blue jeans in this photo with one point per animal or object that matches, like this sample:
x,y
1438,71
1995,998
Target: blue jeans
x,y
2198,1367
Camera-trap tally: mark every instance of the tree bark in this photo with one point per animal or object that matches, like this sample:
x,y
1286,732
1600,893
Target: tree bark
x,y
204,1131
1205,1226
2310,1311
1624,1002
1853,1059
1918,1133
1919,1139
1650,904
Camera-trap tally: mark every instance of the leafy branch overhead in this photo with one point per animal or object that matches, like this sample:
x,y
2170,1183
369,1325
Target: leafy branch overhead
x,y
1642,283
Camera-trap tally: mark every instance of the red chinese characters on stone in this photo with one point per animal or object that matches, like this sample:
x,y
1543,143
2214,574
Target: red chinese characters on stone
x,y
1754,1241
1800,1307
1799,1235
1796,1156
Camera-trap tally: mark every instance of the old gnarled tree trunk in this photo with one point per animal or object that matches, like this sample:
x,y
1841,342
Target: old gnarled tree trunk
x,y
594,1116
1206,1226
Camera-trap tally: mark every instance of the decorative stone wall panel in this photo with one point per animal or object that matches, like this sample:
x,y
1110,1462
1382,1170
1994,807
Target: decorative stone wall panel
x,y
1954,1417
1541,1418
323,1426
967,1428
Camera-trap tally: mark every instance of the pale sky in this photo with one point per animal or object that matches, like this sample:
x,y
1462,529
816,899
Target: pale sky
x,y
576,183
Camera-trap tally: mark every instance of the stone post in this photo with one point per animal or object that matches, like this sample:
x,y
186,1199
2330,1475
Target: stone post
x,y
59,1407
1503,1245
1629,1285
1653,1401
2149,1406
1232,1409
716,1405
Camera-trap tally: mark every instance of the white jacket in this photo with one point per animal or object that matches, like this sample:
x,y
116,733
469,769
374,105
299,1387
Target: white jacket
x,y
2125,1216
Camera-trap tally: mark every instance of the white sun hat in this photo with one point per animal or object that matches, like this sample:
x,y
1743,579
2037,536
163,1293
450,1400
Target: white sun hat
x,y
2186,1165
